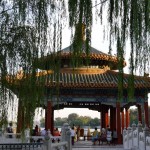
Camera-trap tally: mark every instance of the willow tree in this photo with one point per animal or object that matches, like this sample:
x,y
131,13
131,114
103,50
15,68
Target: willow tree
x,y
33,28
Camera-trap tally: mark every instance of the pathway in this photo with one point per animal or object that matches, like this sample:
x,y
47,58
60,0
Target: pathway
x,y
87,145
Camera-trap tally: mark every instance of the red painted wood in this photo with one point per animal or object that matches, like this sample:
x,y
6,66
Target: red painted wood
x,y
122,120
118,122
146,113
127,118
112,119
49,116
106,119
103,123
139,113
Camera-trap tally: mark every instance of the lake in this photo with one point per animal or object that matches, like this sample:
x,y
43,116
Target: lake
x,y
86,129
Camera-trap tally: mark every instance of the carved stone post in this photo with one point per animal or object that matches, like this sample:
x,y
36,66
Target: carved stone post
x,y
145,132
66,135
139,129
129,130
48,139
133,129
125,139
27,135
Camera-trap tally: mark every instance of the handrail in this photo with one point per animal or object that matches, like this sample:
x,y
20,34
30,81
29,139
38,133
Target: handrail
x,y
136,138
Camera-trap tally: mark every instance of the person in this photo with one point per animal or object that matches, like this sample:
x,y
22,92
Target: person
x,y
10,130
36,130
103,136
75,129
95,136
78,133
115,137
43,132
72,135
56,132
109,136
107,128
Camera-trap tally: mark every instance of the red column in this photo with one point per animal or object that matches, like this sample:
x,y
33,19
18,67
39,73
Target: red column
x,y
103,125
146,113
139,113
48,116
118,123
127,117
52,122
122,120
106,119
112,119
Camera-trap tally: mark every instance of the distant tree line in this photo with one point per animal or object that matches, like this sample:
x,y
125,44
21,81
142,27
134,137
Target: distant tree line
x,y
75,119
134,116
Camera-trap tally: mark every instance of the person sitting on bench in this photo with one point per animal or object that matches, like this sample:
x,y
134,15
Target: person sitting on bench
x,y
103,136
109,136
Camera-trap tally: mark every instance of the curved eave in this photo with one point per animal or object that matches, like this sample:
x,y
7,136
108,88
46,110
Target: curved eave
x,y
107,79
46,61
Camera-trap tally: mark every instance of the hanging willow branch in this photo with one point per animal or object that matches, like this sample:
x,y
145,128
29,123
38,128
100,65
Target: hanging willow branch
x,y
132,20
26,35
80,18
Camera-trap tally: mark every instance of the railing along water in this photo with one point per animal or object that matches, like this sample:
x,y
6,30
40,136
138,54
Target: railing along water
x,y
136,138
46,143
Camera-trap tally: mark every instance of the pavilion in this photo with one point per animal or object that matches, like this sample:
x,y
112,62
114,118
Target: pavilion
x,y
94,87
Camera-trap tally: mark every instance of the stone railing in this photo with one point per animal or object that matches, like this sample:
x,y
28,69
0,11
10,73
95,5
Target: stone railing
x,y
65,141
47,144
137,138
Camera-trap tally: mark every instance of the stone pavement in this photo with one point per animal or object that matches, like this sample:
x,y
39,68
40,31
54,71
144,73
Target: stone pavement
x,y
87,145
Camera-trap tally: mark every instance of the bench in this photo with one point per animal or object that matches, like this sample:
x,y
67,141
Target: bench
x,y
102,139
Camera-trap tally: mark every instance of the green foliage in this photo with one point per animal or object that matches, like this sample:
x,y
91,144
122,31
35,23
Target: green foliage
x,y
75,119
80,18
134,116
72,117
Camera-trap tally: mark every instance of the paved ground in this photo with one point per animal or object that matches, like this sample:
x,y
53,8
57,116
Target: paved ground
x,y
87,145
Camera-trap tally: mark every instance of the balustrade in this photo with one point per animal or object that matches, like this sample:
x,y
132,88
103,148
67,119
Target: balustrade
x,y
136,137
46,142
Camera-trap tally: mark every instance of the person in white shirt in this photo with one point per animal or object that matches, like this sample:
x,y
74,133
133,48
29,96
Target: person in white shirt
x,y
43,132
72,135
109,136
